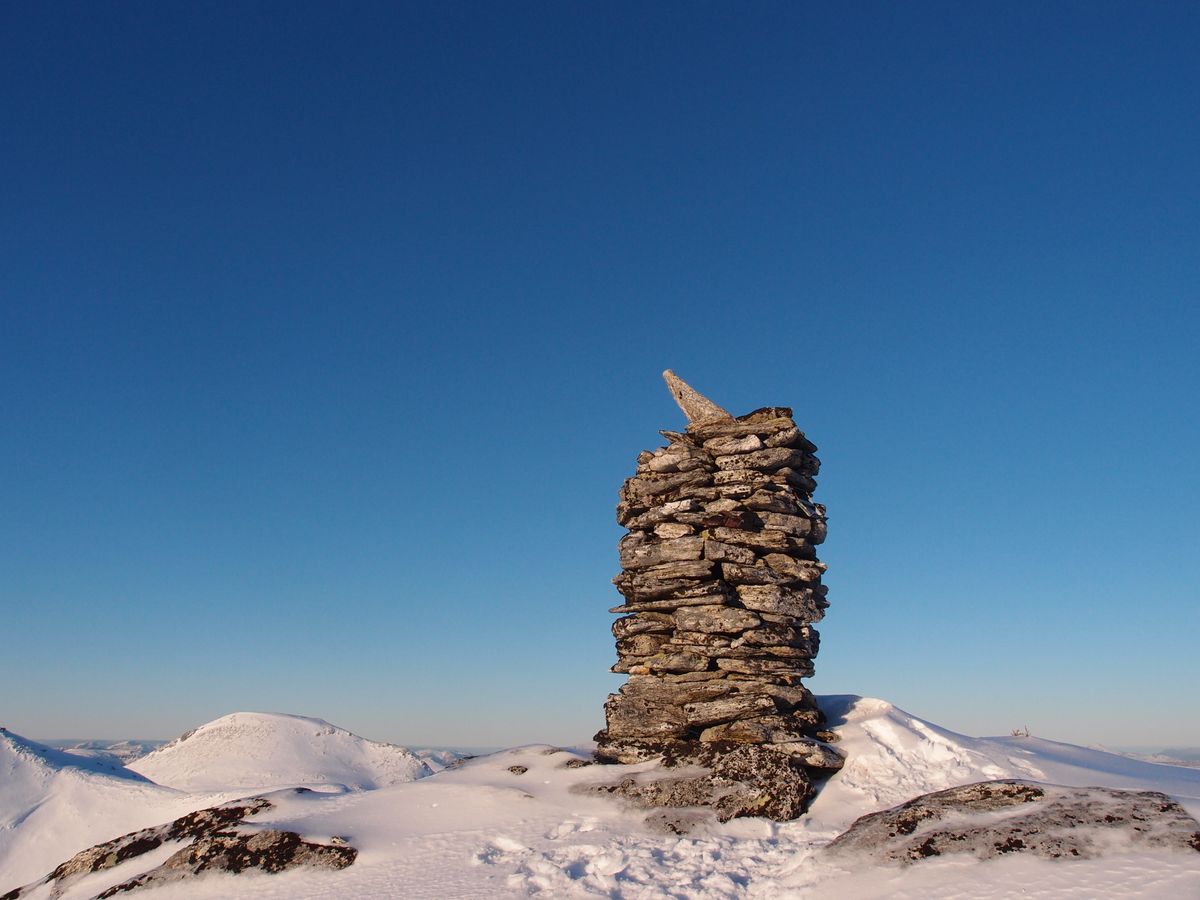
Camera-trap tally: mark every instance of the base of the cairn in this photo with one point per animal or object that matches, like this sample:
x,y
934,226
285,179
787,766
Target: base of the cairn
x,y
732,780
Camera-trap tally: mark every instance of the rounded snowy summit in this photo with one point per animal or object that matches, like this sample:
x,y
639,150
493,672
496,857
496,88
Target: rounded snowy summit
x,y
259,751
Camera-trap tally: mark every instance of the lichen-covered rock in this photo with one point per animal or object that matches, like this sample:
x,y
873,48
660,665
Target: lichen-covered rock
x,y
994,818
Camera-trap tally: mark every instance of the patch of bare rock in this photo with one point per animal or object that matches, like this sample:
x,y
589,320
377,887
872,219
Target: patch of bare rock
x,y
212,839
994,818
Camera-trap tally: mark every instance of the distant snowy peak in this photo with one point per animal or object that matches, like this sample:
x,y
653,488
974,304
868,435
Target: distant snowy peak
x,y
126,751
256,751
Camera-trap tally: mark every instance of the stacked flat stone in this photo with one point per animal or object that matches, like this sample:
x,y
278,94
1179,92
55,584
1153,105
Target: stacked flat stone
x,y
722,586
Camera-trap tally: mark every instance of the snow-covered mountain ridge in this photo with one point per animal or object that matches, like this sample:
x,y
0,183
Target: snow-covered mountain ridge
x,y
514,824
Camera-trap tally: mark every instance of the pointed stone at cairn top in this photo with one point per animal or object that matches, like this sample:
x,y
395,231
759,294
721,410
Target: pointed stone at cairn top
x,y
695,405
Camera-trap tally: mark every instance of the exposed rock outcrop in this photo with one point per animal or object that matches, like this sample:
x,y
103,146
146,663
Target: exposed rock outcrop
x,y
994,818
213,839
722,587
733,780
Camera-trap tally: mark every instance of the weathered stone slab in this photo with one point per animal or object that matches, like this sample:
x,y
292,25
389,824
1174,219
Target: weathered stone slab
x,y
720,552
798,667
642,554
752,478
680,437
788,698
716,593
766,500
727,709
768,729
802,604
731,445
644,644
760,574
675,661
769,541
767,460
647,516
698,408
722,619
797,526
669,530
819,530
694,676
802,637
643,717
796,570
676,692
774,651
641,623
708,432
790,678
766,414
663,580
707,643
677,458
791,437
646,488
738,493
813,754
799,480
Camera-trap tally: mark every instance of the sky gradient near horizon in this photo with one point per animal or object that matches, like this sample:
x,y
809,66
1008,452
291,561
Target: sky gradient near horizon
x,y
328,334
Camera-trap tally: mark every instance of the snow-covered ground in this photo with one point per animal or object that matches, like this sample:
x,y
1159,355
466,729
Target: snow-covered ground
x,y
485,828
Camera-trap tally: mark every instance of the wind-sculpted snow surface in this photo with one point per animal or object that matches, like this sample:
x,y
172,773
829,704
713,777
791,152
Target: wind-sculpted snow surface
x,y
515,824
262,751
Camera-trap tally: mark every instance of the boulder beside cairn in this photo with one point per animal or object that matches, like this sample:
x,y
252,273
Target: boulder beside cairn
x,y
722,586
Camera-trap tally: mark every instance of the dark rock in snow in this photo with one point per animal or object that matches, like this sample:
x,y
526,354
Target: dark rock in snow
x,y
216,839
994,818
733,781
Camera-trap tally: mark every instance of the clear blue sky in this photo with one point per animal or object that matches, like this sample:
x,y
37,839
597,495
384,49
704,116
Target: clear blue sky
x,y
329,332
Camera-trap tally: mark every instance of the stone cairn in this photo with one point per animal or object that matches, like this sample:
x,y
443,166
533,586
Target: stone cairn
x,y
722,586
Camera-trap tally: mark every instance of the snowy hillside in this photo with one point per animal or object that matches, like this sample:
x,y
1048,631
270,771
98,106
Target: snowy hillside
x,y
261,751
51,801
513,824
893,756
